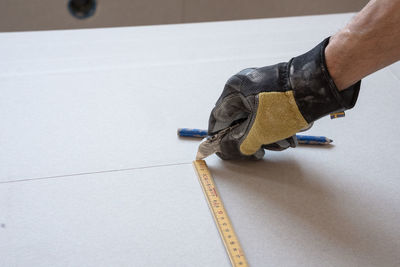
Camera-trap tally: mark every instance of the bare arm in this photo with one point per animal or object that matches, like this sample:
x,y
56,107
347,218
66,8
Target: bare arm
x,y
370,41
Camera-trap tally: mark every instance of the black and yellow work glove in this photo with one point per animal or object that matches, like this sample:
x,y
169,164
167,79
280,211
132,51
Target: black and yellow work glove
x,y
269,105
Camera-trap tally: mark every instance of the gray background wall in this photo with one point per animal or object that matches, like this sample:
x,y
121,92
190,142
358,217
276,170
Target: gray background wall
x,y
23,15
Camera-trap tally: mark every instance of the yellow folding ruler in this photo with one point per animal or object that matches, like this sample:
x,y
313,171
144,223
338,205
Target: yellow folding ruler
x,y
221,218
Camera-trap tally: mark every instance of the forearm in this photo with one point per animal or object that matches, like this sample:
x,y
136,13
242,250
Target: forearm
x,y
368,43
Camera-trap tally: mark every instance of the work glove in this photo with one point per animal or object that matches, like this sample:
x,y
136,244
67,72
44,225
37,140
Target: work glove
x,y
267,106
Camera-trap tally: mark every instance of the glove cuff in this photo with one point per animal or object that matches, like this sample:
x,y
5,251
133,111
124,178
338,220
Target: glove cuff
x,y
314,90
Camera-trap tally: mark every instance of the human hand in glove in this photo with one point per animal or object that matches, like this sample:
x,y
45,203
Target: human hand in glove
x,y
269,105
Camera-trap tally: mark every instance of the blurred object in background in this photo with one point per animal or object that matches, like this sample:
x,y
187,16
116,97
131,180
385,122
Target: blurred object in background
x,y
26,15
82,9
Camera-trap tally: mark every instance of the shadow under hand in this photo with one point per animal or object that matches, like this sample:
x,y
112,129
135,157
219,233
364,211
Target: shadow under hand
x,y
305,146
305,196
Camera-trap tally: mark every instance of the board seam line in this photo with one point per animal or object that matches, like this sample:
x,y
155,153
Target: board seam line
x,y
94,172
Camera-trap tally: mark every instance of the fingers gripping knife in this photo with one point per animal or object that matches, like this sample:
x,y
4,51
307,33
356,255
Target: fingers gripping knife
x,y
212,144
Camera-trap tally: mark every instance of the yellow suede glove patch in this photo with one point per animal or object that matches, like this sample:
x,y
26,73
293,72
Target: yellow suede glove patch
x,y
277,118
